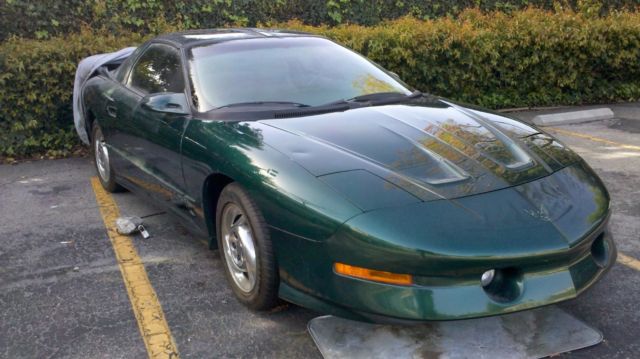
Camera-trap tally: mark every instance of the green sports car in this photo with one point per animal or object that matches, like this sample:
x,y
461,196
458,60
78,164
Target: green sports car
x,y
326,181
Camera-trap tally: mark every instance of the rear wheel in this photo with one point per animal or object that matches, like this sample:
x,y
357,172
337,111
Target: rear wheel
x,y
100,154
245,249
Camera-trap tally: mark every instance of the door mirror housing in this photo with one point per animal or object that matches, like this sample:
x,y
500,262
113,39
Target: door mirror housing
x,y
167,102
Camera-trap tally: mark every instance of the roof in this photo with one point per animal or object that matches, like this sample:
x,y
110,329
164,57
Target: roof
x,y
186,38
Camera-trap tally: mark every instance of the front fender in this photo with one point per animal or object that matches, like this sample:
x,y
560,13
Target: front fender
x,y
291,198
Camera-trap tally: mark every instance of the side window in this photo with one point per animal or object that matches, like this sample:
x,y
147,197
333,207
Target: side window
x,y
158,70
123,69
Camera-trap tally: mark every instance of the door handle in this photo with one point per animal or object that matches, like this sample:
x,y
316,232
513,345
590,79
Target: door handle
x,y
111,111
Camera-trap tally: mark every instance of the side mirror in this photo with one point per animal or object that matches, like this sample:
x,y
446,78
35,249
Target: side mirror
x,y
167,102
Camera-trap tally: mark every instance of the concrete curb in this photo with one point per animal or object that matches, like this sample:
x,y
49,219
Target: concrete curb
x,y
566,118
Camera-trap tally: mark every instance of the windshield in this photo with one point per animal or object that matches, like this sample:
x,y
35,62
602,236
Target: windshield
x,y
305,71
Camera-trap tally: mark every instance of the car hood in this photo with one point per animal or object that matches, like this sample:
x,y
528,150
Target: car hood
x,y
426,151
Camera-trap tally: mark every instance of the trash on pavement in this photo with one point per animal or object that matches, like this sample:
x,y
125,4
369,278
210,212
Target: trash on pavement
x,y
131,225
143,231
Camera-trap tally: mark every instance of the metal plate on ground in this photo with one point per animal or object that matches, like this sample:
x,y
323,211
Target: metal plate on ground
x,y
535,333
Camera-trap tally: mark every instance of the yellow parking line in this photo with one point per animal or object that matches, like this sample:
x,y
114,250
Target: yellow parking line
x,y
144,301
595,139
629,261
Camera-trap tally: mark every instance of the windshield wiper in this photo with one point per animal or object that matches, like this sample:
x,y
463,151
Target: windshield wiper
x,y
378,97
262,103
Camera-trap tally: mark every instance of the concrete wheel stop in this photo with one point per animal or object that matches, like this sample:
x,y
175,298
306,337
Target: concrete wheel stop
x,y
573,117
534,333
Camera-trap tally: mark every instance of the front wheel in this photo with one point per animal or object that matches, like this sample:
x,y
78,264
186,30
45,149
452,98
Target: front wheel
x,y
100,154
246,250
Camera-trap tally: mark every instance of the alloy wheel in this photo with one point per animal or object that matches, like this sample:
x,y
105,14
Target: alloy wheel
x,y
239,247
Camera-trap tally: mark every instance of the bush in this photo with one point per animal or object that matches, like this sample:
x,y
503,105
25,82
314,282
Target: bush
x,y
526,58
497,60
36,83
41,19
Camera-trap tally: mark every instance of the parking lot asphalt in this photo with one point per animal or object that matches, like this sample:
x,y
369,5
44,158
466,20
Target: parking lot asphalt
x,y
63,294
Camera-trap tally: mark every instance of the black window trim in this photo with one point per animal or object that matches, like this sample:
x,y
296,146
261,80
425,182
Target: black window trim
x,y
134,61
188,86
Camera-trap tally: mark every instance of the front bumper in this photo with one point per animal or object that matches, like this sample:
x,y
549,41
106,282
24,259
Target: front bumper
x,y
547,239
461,297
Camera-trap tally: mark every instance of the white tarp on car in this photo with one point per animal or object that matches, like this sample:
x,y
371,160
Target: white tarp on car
x,y
86,68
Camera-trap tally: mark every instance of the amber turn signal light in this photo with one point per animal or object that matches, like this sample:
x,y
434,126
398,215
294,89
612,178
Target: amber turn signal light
x,y
372,274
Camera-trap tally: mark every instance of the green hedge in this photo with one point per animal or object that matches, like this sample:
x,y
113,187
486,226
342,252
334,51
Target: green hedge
x,y
36,83
498,60
526,58
41,19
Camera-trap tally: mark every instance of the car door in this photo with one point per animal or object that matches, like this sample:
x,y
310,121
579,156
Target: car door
x,y
151,138
119,103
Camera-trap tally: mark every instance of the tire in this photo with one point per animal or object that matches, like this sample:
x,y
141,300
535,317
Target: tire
x,y
242,235
101,160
